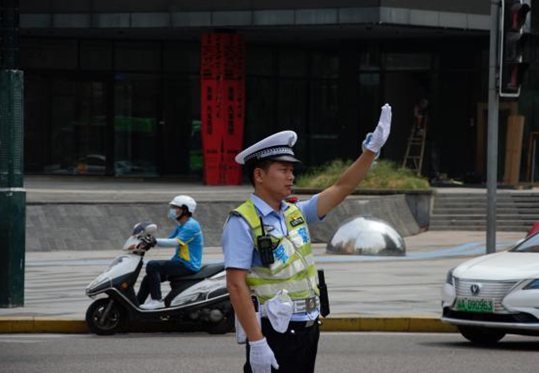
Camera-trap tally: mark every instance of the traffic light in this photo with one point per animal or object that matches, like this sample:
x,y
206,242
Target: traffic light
x,y
513,39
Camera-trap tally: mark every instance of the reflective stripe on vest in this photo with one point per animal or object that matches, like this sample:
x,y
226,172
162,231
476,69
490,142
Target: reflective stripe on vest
x,y
293,268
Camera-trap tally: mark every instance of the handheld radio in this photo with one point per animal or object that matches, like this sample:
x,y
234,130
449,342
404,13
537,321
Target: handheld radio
x,y
265,246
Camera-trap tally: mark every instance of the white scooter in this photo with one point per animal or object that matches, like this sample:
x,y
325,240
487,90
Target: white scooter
x,y
200,301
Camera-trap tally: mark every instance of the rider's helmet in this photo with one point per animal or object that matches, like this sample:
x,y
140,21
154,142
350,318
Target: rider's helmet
x,y
185,202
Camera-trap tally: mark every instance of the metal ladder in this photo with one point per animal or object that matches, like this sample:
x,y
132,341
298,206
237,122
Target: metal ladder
x,y
413,158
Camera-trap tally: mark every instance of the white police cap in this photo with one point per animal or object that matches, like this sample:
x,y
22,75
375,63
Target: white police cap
x,y
277,147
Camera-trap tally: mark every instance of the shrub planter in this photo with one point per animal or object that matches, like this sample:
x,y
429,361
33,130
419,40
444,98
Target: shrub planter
x,y
419,201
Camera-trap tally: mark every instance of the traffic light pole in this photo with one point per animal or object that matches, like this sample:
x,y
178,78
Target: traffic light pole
x,y
492,140
12,193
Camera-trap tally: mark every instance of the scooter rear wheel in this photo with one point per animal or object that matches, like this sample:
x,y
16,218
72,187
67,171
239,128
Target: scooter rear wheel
x,y
108,324
226,325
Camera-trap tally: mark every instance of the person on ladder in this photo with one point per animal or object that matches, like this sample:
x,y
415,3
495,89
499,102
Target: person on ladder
x,y
420,116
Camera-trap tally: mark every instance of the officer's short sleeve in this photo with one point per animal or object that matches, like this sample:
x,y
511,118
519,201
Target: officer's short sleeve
x,y
237,242
309,209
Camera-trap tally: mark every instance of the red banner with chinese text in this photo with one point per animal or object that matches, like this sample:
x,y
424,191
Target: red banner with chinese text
x,y
222,73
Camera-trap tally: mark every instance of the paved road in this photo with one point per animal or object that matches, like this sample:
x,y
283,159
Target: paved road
x,y
194,353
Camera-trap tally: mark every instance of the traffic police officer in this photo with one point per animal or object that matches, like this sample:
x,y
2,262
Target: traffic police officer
x,y
268,254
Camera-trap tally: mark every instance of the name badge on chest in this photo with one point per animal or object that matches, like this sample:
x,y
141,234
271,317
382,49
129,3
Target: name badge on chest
x,y
297,222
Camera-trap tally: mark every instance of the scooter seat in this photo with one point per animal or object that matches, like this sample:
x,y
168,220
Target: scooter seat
x,y
206,271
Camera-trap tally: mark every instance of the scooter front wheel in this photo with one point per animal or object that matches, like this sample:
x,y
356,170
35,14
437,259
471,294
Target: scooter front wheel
x,y
105,317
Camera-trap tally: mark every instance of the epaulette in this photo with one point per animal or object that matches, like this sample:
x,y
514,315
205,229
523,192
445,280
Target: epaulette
x,y
293,200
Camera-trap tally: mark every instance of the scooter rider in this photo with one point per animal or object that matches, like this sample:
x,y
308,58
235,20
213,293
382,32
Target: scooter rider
x,y
268,252
188,240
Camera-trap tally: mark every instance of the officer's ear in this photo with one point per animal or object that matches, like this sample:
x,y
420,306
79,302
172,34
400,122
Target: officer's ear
x,y
257,171
258,175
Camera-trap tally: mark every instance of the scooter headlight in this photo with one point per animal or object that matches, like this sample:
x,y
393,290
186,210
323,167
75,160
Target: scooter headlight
x,y
98,285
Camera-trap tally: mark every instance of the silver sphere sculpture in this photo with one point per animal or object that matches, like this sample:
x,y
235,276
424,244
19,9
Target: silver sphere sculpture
x,y
366,235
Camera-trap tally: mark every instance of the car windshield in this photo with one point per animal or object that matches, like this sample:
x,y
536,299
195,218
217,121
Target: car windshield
x,y
531,245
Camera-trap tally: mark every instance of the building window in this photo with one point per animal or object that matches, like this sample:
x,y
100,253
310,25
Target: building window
x,y
136,98
49,54
137,56
95,55
181,57
408,61
293,63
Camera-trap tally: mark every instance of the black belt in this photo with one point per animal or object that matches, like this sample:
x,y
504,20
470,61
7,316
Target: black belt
x,y
302,324
294,325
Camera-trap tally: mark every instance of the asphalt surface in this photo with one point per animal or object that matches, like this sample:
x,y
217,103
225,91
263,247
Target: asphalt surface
x,y
200,353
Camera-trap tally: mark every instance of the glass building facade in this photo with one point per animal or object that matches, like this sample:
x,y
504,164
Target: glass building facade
x,y
113,88
132,107
127,108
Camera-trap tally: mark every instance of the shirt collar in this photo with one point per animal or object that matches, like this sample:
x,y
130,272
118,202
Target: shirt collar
x,y
263,207
185,222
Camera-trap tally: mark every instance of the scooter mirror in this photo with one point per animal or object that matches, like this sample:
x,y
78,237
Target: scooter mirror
x,y
143,229
131,243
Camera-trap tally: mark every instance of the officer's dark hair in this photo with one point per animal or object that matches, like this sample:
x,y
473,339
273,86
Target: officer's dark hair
x,y
250,167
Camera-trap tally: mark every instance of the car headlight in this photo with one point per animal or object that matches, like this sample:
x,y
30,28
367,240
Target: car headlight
x,y
533,285
449,278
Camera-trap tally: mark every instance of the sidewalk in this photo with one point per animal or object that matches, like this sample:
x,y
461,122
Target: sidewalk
x,y
45,189
384,288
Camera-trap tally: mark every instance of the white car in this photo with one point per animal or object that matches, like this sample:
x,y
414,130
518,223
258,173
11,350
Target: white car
x,y
494,295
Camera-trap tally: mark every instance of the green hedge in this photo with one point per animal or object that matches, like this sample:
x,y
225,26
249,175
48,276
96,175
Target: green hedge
x,y
383,175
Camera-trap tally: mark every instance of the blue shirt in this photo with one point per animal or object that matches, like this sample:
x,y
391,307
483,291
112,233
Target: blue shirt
x,y
189,242
238,242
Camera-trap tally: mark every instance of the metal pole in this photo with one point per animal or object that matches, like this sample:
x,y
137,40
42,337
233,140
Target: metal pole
x,y
533,161
492,146
12,193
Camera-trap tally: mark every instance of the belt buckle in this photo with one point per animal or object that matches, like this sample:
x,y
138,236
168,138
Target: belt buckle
x,y
310,304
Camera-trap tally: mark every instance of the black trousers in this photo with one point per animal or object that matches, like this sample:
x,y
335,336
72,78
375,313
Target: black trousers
x,y
157,272
294,350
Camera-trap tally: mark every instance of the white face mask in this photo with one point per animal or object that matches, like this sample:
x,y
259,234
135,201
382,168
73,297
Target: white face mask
x,y
172,214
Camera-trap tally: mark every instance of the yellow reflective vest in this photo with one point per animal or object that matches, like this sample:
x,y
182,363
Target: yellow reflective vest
x,y
293,268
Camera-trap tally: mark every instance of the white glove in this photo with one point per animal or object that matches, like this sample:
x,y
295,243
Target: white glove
x,y
261,357
375,141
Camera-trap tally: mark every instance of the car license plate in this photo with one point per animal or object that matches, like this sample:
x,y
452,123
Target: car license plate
x,y
475,305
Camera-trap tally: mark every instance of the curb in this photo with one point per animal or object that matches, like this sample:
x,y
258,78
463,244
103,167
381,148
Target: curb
x,y
10,325
41,325
387,324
